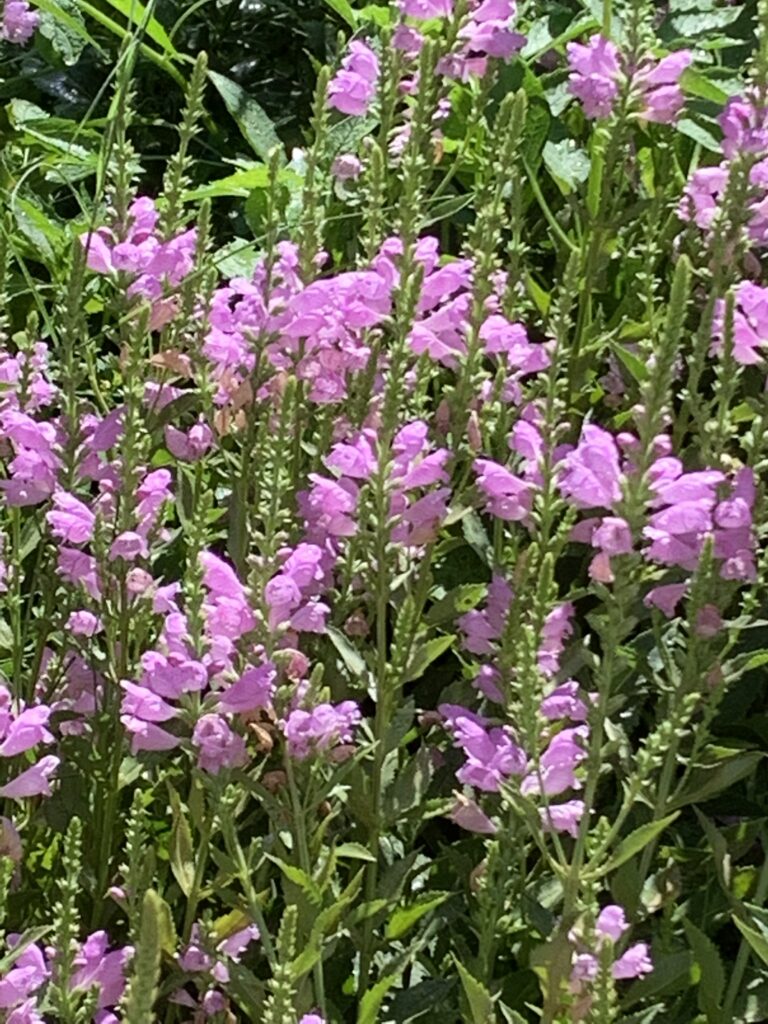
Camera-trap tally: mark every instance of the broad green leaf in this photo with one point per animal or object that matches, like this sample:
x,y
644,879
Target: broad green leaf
x,y
704,22
706,783
426,653
68,40
697,84
568,165
381,16
699,134
73,23
137,13
371,1002
404,918
758,942
638,840
354,851
297,876
241,183
349,655
712,980
45,237
346,135
671,973
634,364
256,127
479,998
343,9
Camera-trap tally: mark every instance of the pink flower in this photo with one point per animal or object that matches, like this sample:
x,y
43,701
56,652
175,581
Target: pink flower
x,y
26,731
346,167
84,623
665,598
25,1013
467,815
97,966
613,536
590,474
34,781
353,88
319,729
611,922
565,817
27,974
657,84
218,746
252,691
635,963
424,9
491,754
744,122
73,522
147,736
557,764
750,324
129,546
139,702
507,496
19,22
594,77
189,446
564,702
172,675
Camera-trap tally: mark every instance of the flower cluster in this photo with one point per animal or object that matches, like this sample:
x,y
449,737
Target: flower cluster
x,y
744,123
598,72
18,22
96,966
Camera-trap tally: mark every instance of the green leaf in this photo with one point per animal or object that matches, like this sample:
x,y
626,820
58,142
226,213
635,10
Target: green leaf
x,y
712,980
541,299
242,183
297,876
426,654
256,127
479,998
699,134
346,135
343,9
404,918
696,84
568,165
537,122
758,943
45,237
67,39
705,783
446,208
73,23
349,655
703,22
136,12
354,851
636,367
371,1002
671,973
456,602
638,840
181,852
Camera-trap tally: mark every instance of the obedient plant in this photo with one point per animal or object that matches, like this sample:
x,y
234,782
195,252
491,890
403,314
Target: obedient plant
x,y
382,604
